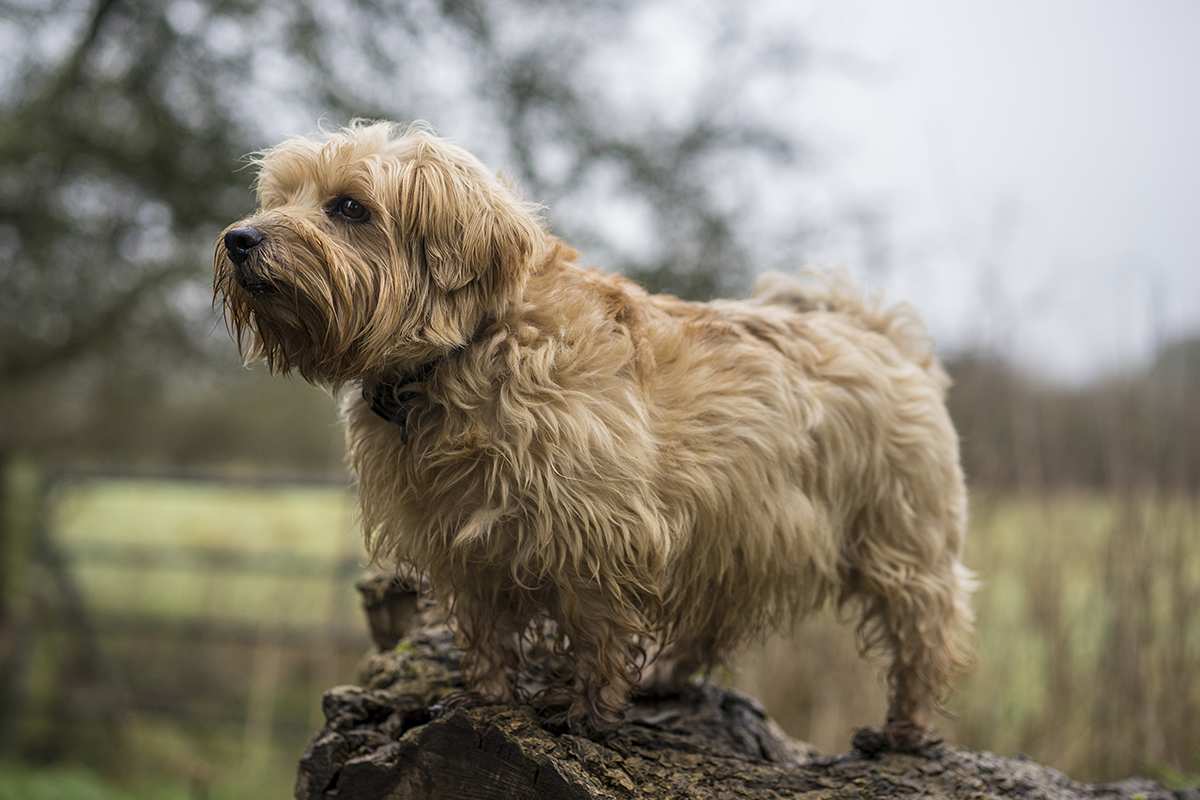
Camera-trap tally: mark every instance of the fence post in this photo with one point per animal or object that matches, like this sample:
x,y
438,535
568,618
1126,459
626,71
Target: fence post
x,y
21,497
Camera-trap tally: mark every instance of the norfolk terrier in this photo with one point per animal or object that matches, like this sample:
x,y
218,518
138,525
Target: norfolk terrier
x,y
563,454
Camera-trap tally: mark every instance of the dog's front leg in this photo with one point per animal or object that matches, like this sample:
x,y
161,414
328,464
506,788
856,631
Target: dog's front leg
x,y
490,637
600,624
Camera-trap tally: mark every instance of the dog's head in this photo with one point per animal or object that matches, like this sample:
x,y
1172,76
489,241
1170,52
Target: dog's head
x,y
373,249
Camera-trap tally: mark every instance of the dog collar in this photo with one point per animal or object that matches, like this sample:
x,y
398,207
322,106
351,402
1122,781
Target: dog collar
x,y
391,400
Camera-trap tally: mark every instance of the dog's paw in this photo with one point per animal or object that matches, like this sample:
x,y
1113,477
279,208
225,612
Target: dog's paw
x,y
561,720
869,741
589,727
552,705
896,737
458,701
909,737
665,692
555,721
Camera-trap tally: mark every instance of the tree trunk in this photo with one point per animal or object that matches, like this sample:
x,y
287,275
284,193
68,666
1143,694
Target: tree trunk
x,y
388,739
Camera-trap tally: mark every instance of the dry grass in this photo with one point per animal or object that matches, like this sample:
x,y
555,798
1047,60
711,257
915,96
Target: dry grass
x,y
1089,641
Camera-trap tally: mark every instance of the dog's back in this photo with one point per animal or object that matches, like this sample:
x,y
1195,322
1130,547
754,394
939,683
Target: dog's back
x,y
806,455
835,292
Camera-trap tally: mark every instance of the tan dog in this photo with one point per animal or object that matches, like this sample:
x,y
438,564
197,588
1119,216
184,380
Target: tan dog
x,y
549,443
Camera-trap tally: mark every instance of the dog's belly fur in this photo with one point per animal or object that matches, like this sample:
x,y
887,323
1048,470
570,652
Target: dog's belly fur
x,y
687,473
805,438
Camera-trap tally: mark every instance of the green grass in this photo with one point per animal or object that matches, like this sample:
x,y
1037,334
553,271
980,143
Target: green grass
x,y
22,782
72,782
309,521
316,523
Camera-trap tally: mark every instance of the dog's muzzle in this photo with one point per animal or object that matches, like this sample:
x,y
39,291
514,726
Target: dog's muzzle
x,y
240,244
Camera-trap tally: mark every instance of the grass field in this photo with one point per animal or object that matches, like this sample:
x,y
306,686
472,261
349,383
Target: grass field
x,y
1088,630
225,716
313,523
1089,642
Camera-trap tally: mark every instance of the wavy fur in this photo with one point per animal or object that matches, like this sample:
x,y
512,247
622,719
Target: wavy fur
x,y
646,474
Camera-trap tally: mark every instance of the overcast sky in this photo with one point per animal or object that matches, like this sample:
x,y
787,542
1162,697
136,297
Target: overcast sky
x,y
1055,141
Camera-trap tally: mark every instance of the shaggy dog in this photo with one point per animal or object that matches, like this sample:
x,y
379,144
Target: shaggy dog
x,y
558,450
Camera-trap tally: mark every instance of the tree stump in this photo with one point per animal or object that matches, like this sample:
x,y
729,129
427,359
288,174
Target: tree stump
x,y
388,738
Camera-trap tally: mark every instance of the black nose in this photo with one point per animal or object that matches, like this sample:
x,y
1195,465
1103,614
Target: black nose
x,y
240,241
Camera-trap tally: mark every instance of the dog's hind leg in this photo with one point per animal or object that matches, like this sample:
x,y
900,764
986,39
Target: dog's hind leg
x,y
915,607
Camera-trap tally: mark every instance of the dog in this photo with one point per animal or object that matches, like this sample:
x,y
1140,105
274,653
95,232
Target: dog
x,y
556,449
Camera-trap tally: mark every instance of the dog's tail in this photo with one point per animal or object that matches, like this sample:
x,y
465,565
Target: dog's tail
x,y
836,292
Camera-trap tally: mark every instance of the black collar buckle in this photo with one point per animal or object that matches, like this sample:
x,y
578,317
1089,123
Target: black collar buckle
x,y
391,400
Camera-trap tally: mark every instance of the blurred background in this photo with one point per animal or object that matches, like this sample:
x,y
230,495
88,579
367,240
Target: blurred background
x,y
178,544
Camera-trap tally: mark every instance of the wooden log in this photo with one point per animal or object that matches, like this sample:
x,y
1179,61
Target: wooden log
x,y
388,738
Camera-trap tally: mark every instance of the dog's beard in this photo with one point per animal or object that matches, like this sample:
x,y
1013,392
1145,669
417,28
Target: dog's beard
x,y
332,323
275,320
336,313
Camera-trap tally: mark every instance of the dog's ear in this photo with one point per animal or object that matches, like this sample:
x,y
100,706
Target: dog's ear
x,y
461,222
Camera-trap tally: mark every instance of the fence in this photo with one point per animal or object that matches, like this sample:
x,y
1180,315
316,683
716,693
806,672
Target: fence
x,y
143,607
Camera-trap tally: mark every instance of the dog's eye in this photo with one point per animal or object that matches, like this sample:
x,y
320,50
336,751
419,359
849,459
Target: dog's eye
x,y
349,208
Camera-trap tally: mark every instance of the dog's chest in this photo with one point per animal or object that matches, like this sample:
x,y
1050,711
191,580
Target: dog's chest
x,y
502,460
418,456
